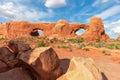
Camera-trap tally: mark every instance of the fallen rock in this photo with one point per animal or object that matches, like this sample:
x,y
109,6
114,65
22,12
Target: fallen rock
x,y
82,69
15,74
44,61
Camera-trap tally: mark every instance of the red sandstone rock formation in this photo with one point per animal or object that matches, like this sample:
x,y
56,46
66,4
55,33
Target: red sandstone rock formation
x,y
3,31
23,29
95,31
118,37
61,29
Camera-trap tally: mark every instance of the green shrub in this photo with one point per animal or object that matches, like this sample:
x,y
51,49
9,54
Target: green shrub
x,y
97,40
117,46
90,44
98,45
77,40
41,44
62,46
81,46
3,38
111,46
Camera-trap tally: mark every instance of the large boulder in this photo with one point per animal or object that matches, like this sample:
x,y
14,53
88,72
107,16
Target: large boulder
x,y
82,69
44,61
15,74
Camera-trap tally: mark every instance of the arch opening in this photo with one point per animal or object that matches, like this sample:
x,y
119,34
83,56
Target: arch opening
x,y
36,32
80,31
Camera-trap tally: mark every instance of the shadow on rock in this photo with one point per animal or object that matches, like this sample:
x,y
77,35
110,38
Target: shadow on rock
x,y
104,76
64,63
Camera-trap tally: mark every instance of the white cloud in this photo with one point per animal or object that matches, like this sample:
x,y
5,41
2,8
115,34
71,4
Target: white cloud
x,y
97,2
12,11
113,29
6,10
55,3
109,12
104,1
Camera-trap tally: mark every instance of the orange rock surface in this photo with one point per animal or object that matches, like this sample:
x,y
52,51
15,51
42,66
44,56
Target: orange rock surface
x,y
118,37
95,31
61,29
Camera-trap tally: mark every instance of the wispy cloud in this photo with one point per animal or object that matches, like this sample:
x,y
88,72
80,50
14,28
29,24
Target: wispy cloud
x,y
113,28
55,3
97,2
114,10
12,11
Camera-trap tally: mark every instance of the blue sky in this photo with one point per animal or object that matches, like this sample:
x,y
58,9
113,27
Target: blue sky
x,y
71,10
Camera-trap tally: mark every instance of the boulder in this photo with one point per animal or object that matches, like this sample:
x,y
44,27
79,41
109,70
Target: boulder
x,y
15,74
82,69
44,61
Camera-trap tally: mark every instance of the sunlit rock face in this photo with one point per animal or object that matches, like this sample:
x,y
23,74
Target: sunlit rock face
x,y
82,69
118,37
96,30
61,29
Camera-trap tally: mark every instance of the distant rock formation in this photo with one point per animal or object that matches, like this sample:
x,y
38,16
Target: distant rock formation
x,y
61,29
118,37
3,30
96,30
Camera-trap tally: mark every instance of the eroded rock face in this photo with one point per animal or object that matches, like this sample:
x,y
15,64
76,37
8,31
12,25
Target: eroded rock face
x,y
24,29
44,61
82,69
3,31
95,31
118,37
61,29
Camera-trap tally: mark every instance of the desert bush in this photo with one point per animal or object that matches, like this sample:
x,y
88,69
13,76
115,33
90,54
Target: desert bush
x,y
90,44
117,46
63,46
81,46
98,45
97,40
41,44
3,38
105,53
86,49
77,40
111,46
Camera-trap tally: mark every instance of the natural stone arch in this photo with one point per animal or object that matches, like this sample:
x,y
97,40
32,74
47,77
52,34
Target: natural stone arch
x,y
36,32
80,31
